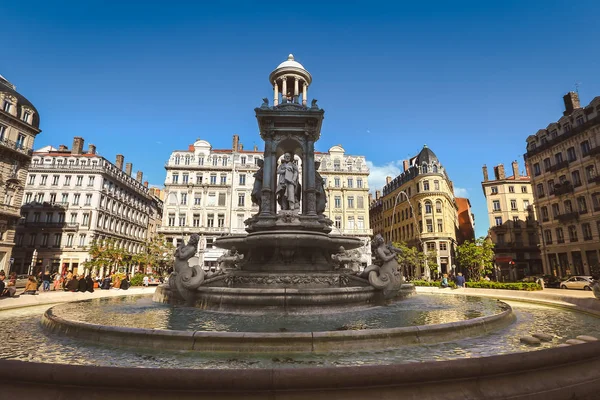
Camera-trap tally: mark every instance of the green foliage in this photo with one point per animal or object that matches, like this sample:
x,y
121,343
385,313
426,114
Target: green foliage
x,y
409,256
528,286
476,257
433,283
137,280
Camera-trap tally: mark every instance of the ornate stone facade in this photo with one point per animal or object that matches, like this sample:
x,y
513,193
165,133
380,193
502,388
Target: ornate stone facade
x,y
564,160
19,125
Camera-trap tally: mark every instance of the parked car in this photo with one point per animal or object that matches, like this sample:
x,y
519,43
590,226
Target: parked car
x,y
21,281
577,282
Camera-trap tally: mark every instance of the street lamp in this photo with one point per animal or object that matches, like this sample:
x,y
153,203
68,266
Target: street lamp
x,y
33,261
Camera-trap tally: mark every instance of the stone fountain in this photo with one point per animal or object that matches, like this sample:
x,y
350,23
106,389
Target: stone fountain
x,y
289,258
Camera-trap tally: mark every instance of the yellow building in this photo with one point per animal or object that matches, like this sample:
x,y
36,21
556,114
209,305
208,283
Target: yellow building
x,y
418,207
513,226
347,190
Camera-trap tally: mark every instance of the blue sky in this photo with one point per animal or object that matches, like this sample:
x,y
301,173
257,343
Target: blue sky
x,y
471,79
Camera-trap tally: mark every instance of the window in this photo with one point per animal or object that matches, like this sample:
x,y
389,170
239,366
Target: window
x,y
55,179
350,222
350,183
575,178
79,180
579,120
350,201
82,240
7,106
175,178
182,219
585,148
438,206
68,180
243,160
222,198
558,158
443,246
76,197
582,205
185,178
573,233
86,219
215,161
568,206
213,179
336,165
359,183
28,198
242,179
91,180
560,237
548,236
523,189
361,223
596,201
49,217
338,222
337,202
496,204
540,190
525,205
212,199
183,199
187,160
360,202
20,141
440,225
73,218
336,182
241,199
587,231
428,207
221,220
45,240
200,160
44,180
196,220
2,132
177,159
536,169
88,199
31,180
567,128
547,164
555,210
551,186
70,240
494,189
223,179
511,189
425,185
171,220
197,199
199,179
571,156
498,221
430,246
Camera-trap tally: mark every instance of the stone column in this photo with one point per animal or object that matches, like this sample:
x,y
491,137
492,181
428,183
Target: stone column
x,y
284,89
309,179
296,90
304,93
275,93
266,208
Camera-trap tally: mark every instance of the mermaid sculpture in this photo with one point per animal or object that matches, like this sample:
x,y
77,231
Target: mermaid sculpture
x,y
187,275
385,273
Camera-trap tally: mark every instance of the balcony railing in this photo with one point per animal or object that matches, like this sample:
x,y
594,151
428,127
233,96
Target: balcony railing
x,y
593,151
559,166
595,179
18,147
51,225
568,217
563,188
560,241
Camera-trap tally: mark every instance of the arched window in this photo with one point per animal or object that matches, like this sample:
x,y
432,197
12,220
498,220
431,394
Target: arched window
x,y
568,207
435,168
428,207
177,159
438,206
424,168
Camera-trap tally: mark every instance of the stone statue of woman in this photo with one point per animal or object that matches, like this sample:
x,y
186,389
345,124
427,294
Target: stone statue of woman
x,y
256,194
287,183
320,190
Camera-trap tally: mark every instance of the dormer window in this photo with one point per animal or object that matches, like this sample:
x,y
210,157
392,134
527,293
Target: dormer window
x,y
26,116
2,132
579,120
6,106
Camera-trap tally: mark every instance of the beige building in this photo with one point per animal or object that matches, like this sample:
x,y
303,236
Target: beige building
x,y
418,207
347,190
513,226
564,159
19,125
74,197
207,191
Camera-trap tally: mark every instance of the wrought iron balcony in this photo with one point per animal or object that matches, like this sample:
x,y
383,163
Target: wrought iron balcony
x,y
18,147
593,151
572,216
69,226
558,166
563,188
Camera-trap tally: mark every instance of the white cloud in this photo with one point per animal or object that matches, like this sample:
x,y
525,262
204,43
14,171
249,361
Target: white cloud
x,y
460,192
378,174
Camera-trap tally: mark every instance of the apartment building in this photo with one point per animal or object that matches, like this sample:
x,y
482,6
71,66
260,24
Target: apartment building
x,y
19,125
564,159
73,197
513,225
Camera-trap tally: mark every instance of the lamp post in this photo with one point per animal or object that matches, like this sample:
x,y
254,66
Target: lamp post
x,y
33,261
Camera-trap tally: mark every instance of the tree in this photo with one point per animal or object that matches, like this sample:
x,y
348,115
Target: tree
x,y
476,257
411,258
105,254
157,254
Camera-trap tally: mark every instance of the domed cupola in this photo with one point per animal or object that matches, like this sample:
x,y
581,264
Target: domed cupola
x,y
8,93
426,156
289,78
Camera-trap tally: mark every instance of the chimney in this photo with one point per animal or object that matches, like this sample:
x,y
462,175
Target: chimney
x,y
485,173
77,145
255,148
145,183
526,169
236,142
515,168
91,149
240,147
119,161
388,179
128,167
571,100
377,194
139,176
405,165
499,172
62,147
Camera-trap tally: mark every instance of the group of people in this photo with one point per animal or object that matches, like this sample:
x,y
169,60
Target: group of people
x,y
459,280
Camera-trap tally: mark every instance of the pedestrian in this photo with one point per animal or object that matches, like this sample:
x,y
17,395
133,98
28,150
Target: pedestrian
x,y
7,290
31,286
460,280
46,278
146,281
444,283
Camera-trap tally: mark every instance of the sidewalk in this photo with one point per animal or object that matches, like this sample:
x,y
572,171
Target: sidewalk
x,y
58,296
